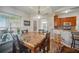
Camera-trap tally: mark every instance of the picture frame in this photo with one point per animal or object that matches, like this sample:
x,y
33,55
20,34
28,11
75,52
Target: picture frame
x,y
26,23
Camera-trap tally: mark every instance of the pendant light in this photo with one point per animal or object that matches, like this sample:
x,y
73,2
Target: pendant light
x,y
38,16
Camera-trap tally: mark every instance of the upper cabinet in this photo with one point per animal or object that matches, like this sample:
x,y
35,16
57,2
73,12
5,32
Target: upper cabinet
x,y
59,22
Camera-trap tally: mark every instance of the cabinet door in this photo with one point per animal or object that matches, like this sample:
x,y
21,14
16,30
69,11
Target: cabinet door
x,y
73,20
58,22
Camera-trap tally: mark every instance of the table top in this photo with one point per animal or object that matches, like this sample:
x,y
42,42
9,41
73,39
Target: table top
x,y
32,39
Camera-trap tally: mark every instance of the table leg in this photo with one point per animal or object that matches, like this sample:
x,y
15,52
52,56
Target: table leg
x,y
74,43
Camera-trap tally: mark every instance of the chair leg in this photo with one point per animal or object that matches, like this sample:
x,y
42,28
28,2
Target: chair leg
x,y
39,48
62,49
43,50
14,48
48,48
74,43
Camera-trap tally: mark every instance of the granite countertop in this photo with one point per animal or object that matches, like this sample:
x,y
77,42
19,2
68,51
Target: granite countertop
x,y
67,38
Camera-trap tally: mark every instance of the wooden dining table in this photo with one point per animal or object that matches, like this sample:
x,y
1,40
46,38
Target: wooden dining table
x,y
32,40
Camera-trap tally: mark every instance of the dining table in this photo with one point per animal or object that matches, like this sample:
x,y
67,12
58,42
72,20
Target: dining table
x,y
32,40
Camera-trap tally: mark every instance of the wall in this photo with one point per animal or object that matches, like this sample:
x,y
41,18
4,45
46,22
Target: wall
x,y
49,19
24,16
12,11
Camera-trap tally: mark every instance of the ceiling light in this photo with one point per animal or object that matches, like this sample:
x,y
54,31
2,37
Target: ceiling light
x,y
38,16
67,11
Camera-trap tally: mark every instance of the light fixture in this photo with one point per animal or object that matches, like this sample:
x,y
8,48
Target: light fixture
x,y
67,11
38,16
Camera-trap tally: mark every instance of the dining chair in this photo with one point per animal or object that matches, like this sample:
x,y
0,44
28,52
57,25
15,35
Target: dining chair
x,y
14,47
22,32
4,37
57,45
26,31
45,44
75,37
42,31
22,48
66,49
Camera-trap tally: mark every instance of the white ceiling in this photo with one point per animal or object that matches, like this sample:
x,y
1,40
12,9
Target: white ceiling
x,y
44,10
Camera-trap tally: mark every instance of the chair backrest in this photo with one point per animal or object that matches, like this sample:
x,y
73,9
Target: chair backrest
x,y
66,49
16,43
22,32
26,31
14,47
19,42
75,35
4,36
46,40
41,31
47,35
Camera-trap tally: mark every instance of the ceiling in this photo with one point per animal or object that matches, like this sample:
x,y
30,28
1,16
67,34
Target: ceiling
x,y
44,10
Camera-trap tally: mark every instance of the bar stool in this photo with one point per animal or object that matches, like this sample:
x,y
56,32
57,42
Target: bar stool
x,y
75,37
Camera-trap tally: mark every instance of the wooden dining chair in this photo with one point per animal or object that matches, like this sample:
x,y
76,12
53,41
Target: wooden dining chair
x,y
57,45
41,31
22,48
66,49
45,44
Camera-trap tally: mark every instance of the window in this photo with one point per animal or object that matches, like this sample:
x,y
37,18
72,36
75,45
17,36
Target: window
x,y
8,23
44,25
2,22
